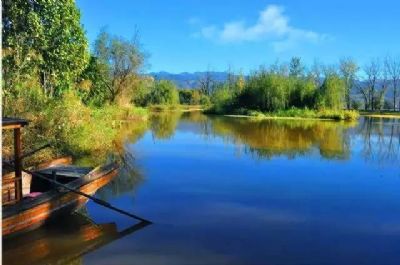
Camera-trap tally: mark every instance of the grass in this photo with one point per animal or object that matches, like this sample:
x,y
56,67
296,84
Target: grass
x,y
295,113
71,127
381,114
176,107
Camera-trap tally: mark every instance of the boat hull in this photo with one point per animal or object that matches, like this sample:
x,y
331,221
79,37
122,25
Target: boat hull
x,y
28,215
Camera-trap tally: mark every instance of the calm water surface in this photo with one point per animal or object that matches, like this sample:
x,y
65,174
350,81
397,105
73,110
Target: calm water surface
x,y
233,191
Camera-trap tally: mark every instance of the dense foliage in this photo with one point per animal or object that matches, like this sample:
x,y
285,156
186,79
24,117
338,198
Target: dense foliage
x,y
50,78
268,90
193,97
164,92
121,61
43,43
283,87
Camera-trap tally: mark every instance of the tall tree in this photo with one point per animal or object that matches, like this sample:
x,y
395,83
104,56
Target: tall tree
x,y
122,58
333,92
93,85
348,69
230,78
43,40
206,83
164,92
392,66
316,72
373,72
296,68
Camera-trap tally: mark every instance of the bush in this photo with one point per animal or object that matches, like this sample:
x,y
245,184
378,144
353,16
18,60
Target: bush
x,y
276,91
222,100
192,97
205,100
164,92
265,92
68,124
331,94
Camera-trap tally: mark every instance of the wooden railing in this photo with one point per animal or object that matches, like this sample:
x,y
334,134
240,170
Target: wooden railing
x,y
8,191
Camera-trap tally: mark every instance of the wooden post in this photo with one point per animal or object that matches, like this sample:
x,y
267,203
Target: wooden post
x,y
18,164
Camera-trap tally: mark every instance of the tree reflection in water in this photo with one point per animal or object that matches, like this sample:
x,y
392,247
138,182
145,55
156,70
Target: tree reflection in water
x,y
129,176
268,138
163,124
381,139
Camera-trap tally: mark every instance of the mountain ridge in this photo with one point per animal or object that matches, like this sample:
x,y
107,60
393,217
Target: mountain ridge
x,y
188,79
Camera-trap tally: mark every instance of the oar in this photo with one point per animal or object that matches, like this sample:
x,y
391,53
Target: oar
x,y
94,199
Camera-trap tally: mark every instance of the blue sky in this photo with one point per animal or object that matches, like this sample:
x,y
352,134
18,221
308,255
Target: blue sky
x,y
188,36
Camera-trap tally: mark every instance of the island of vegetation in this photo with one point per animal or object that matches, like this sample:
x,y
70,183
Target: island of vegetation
x,y
77,97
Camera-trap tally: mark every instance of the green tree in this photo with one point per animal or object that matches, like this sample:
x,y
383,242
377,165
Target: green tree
x,y
373,72
123,59
265,91
296,68
356,104
302,93
348,69
185,96
142,95
332,92
222,98
93,87
43,41
164,92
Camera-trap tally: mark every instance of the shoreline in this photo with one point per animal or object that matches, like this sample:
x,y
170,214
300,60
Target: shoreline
x,y
394,115
275,117
292,114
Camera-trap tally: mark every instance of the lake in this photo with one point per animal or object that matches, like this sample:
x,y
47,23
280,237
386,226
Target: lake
x,y
224,190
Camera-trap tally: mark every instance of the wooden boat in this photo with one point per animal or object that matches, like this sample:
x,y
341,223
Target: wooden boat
x,y
63,241
28,205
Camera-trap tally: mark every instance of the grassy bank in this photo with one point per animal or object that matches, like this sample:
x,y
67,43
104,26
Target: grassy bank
x,y
293,113
176,107
71,127
381,114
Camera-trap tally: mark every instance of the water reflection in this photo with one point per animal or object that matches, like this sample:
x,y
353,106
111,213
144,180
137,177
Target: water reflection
x,y
130,176
300,192
163,124
314,196
381,139
266,139
51,245
270,138
125,132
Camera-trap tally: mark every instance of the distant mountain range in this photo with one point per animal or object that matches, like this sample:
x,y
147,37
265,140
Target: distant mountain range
x,y
188,80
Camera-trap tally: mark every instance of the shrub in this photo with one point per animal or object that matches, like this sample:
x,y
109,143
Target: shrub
x,y
164,92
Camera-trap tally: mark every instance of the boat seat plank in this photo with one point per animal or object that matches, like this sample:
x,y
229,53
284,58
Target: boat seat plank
x,y
66,171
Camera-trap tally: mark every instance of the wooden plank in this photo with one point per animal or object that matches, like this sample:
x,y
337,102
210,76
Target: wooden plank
x,y
18,163
66,171
9,122
11,126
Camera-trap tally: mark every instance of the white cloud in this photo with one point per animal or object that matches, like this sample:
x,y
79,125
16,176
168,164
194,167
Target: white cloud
x,y
272,24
